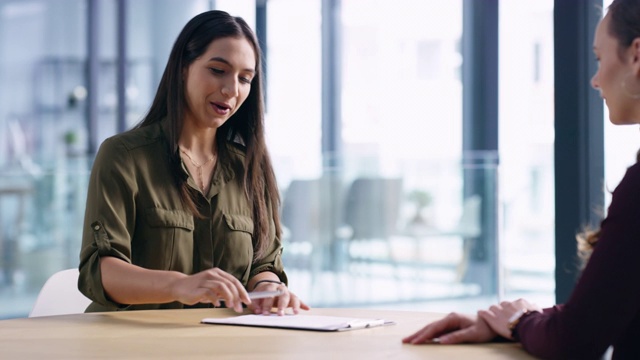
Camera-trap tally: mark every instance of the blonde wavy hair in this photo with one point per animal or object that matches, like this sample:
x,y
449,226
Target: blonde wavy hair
x,y
587,241
588,238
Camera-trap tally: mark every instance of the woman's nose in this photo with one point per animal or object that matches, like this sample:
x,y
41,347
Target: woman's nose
x,y
594,81
230,88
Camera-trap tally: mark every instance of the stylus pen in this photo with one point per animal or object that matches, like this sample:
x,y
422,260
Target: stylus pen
x,y
264,294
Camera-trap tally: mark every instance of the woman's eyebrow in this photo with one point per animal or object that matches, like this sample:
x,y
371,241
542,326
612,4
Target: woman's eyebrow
x,y
225,61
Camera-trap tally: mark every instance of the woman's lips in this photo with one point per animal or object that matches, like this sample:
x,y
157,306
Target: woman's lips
x,y
221,108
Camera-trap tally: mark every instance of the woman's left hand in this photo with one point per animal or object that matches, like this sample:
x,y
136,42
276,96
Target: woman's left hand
x,y
453,329
287,299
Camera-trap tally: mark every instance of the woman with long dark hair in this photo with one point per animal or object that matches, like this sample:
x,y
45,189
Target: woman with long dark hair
x,y
182,210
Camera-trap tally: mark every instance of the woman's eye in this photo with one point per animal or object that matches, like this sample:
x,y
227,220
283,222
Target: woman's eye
x,y
245,80
216,71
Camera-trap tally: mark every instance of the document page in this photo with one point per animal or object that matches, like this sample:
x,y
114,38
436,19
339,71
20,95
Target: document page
x,y
301,322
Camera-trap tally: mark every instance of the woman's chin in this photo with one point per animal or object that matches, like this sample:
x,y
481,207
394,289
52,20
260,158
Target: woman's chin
x,y
624,121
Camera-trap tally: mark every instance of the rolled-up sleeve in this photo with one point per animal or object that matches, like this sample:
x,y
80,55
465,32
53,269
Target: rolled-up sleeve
x,y
272,259
109,218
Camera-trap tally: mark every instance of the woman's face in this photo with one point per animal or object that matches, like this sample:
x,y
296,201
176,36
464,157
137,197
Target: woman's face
x,y
219,81
616,77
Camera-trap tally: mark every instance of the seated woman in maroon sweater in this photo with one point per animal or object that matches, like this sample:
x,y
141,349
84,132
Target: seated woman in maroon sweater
x,y
604,308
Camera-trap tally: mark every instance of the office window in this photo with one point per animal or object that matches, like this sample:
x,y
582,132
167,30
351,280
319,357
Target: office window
x,y
387,224
42,137
526,115
44,163
402,132
152,28
243,8
293,119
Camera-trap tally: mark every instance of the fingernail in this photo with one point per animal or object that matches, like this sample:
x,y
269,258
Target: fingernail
x,y
444,339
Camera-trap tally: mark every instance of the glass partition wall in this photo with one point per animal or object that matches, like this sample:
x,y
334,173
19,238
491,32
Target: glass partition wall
x,y
383,222
42,144
45,121
369,238
526,90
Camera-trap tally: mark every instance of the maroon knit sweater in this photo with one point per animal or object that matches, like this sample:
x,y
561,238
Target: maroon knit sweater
x,y
604,308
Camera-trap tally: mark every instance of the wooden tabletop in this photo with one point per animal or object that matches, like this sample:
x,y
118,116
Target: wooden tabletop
x,y
178,334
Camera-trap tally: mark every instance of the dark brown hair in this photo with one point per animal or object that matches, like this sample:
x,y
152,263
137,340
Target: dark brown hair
x,y
245,127
625,22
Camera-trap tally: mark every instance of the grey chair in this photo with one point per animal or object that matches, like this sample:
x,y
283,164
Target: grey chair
x,y
308,219
371,212
301,222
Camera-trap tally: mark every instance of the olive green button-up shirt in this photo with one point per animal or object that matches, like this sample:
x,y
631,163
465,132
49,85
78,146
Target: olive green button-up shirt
x,y
134,212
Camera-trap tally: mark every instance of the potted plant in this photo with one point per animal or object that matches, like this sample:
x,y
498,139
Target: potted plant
x,y
421,199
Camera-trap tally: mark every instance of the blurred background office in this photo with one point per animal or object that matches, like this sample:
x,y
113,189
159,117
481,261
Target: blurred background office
x,y
418,145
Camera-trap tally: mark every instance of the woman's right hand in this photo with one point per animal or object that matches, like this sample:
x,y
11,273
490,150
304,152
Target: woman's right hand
x,y
498,316
453,329
210,286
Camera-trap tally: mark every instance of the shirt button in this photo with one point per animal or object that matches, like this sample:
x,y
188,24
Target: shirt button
x,y
97,227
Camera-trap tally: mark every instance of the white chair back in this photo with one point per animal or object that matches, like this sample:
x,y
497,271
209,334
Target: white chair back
x,y
60,295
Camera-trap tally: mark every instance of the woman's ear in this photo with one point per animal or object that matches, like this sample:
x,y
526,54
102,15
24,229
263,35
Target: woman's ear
x,y
635,55
185,73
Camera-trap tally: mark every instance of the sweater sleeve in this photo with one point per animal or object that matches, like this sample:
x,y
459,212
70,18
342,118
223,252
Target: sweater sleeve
x,y
603,304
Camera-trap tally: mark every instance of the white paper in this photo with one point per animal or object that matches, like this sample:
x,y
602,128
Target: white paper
x,y
303,322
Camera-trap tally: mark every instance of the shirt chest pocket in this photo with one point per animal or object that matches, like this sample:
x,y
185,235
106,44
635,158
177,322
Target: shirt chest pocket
x,y
165,240
236,252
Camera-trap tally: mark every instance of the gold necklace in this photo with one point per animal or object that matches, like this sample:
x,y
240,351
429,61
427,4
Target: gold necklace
x,y
198,167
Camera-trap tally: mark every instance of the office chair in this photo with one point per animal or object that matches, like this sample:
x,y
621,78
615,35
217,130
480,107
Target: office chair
x,y
60,295
468,228
308,231
301,222
371,212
